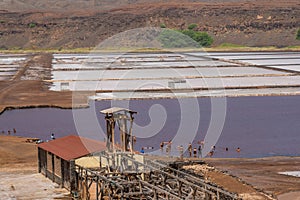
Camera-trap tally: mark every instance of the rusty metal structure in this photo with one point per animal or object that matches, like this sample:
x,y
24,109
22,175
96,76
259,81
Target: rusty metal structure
x,y
122,174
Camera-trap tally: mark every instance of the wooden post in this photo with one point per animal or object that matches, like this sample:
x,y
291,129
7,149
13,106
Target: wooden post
x,y
72,176
86,189
97,188
39,160
53,167
113,123
108,133
46,163
179,188
130,132
123,132
62,165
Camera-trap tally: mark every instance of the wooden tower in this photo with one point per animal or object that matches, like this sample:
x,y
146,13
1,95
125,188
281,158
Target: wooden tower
x,y
124,119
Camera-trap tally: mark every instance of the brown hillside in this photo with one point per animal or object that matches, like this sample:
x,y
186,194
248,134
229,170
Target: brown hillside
x,y
66,24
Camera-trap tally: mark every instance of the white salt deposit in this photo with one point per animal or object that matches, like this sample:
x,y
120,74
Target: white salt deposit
x,y
291,173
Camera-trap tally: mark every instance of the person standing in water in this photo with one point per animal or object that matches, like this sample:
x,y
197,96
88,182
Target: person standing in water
x,y
180,148
161,147
169,146
195,152
190,148
200,151
142,150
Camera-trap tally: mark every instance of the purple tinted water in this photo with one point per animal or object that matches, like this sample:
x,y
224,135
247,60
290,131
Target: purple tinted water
x,y
260,126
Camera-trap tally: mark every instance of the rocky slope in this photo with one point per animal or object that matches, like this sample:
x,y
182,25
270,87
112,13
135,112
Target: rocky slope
x,y
251,23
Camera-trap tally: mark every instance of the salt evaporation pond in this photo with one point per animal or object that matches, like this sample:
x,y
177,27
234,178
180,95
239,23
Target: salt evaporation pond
x,y
237,73
260,126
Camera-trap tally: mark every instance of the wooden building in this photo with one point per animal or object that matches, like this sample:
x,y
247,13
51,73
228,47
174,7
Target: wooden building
x,y
56,158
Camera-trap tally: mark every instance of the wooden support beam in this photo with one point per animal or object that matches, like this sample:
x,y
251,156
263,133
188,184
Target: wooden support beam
x,y
39,160
53,167
62,166
97,188
86,187
160,190
72,172
46,164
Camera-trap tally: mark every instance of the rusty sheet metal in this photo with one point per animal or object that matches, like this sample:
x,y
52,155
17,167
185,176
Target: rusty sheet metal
x,y
72,147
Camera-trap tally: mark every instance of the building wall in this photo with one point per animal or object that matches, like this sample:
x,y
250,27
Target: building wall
x,y
54,168
57,164
49,161
66,174
42,161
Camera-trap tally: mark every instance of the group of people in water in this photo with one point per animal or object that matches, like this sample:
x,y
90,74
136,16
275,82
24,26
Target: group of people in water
x,y
9,132
195,152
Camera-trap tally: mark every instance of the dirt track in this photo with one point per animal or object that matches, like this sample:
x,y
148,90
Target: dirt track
x,y
28,88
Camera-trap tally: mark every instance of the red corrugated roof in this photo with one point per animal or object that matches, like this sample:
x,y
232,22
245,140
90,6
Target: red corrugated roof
x,y
72,147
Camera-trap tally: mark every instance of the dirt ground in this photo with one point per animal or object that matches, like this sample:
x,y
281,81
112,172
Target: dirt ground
x,y
28,88
19,178
262,173
247,177
229,183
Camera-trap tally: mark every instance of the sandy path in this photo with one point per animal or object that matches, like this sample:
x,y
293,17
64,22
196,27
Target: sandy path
x,y
28,186
19,178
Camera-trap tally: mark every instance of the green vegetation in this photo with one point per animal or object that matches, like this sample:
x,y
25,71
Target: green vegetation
x,y
202,38
32,25
163,25
2,21
185,38
192,26
293,47
298,34
174,39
